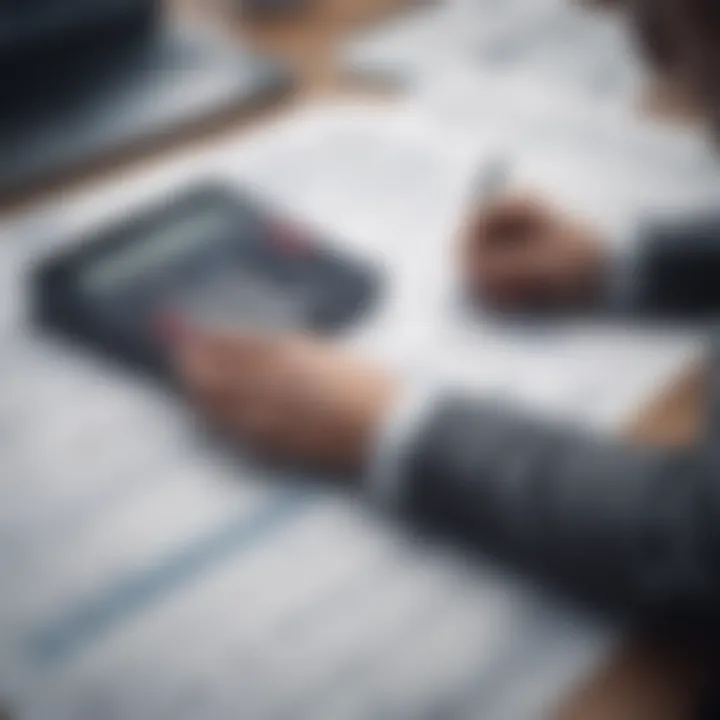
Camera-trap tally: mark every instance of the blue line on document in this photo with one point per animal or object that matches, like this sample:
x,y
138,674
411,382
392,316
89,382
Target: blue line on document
x,y
134,593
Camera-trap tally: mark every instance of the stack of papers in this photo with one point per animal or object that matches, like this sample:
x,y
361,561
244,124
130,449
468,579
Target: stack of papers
x,y
550,42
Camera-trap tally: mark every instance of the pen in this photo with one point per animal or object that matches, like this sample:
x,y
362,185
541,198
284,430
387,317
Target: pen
x,y
491,180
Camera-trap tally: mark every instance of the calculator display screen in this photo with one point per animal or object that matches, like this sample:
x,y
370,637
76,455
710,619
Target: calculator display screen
x,y
171,243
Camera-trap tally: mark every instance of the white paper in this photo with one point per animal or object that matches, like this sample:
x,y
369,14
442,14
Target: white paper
x,y
552,42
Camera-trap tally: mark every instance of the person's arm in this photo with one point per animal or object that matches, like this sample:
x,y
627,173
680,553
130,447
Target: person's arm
x,y
522,254
676,269
612,522
635,528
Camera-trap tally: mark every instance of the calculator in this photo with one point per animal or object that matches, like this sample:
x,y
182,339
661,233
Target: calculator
x,y
216,257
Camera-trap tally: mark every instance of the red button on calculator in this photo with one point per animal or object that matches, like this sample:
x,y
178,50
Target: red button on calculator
x,y
288,237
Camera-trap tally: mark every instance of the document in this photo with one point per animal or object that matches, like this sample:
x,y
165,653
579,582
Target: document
x,y
555,43
148,573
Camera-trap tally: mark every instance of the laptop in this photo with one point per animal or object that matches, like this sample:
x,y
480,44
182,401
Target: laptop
x,y
83,79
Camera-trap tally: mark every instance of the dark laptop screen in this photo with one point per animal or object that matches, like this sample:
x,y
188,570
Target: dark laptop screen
x,y
28,24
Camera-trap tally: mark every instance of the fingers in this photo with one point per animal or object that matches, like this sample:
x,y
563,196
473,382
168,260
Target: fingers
x,y
523,253
206,358
219,369
501,247
225,349
507,280
508,221
252,387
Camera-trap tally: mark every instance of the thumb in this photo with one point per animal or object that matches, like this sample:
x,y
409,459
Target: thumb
x,y
199,361
211,356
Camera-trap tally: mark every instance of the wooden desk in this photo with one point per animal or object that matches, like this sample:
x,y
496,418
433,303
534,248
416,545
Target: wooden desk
x,y
651,678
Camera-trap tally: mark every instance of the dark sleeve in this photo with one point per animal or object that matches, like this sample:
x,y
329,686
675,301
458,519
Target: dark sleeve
x,y
633,528
677,269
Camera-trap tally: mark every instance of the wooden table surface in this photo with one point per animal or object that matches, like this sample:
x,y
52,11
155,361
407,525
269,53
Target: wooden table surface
x,y
653,677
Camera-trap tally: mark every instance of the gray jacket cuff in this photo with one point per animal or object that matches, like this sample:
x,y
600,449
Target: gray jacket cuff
x,y
395,441
623,278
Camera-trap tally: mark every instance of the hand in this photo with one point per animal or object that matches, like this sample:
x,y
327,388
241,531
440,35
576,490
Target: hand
x,y
289,398
519,253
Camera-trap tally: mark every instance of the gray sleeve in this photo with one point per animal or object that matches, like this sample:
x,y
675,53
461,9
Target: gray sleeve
x,y
675,268
672,270
622,281
394,442
627,526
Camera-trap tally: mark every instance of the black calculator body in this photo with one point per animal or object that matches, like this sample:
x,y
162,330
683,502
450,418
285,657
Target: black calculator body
x,y
210,256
